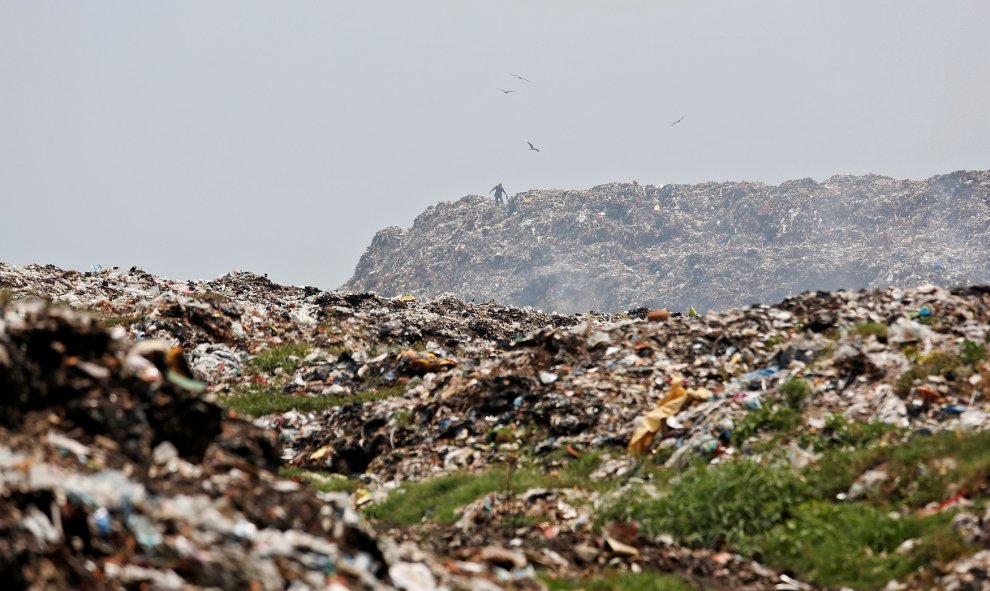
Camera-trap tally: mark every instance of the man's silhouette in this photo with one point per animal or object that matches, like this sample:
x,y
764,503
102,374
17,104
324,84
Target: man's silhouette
x,y
499,192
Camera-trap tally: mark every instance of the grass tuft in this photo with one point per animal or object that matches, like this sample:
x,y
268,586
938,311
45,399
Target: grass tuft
x,y
771,418
935,363
621,582
973,352
322,481
287,356
851,545
876,329
717,505
256,401
840,433
794,392
120,320
438,499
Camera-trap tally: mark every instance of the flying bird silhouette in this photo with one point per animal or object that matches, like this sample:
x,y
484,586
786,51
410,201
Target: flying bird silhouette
x,y
520,77
532,147
678,121
505,91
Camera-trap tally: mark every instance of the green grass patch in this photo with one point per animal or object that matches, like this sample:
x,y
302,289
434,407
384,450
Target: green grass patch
x,y
772,418
714,505
621,582
922,469
287,356
257,400
876,329
855,545
839,434
790,519
321,481
794,392
438,499
123,319
935,363
972,352
403,418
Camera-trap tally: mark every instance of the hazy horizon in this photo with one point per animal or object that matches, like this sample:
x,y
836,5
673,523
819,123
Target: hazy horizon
x,y
191,140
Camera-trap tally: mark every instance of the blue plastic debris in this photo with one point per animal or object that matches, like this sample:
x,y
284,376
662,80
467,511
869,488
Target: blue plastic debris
x,y
102,521
766,372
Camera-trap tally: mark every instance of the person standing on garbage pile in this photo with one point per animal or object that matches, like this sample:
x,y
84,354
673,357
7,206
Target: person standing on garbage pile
x,y
499,193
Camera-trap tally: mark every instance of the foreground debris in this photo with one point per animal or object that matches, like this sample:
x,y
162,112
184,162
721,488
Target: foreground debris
x,y
499,446
707,246
115,474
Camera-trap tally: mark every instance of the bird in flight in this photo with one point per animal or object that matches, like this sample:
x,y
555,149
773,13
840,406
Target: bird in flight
x,y
504,90
678,121
520,77
532,147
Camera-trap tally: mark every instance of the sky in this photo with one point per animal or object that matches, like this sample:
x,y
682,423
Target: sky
x,y
194,138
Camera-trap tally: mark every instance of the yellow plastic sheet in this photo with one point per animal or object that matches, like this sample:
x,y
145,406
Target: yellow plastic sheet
x,y
653,421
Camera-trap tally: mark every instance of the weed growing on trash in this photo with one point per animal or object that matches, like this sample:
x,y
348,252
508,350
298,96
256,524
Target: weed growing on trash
x,y
936,363
840,433
922,469
794,392
438,499
715,505
287,356
402,418
855,545
321,481
973,352
876,329
621,582
784,516
772,418
258,400
112,321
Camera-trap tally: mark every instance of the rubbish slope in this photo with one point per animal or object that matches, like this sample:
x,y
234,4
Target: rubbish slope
x,y
829,440
707,246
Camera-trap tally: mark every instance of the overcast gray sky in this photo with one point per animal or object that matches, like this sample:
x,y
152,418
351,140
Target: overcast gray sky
x,y
193,138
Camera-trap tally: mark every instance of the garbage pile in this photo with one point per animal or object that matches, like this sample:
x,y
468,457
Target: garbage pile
x,y
706,246
116,472
549,423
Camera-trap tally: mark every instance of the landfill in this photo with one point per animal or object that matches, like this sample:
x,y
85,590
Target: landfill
x,y
168,434
709,246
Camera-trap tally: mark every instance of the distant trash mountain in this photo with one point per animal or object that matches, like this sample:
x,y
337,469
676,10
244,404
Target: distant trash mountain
x,y
708,246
